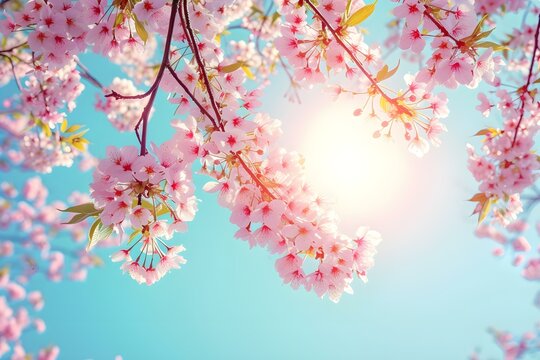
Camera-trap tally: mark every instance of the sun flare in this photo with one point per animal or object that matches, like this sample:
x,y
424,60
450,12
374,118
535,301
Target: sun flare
x,y
362,175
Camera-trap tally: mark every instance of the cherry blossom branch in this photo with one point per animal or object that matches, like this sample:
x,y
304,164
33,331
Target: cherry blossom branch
x,y
13,47
441,28
525,89
253,176
164,62
207,114
155,86
357,62
17,82
291,79
85,73
185,19
261,25
186,89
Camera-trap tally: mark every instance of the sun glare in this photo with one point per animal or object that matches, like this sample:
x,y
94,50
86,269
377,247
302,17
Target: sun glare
x,y
363,176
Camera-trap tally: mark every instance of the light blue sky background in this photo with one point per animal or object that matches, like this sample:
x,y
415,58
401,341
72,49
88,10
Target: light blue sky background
x,y
434,291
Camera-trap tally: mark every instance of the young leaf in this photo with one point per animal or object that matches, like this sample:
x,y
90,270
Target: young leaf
x,y
77,135
486,206
87,208
361,14
139,28
64,125
489,131
348,8
384,73
248,72
479,197
97,233
484,34
77,219
162,210
72,128
232,67
46,129
385,105
79,144
490,44
133,235
119,19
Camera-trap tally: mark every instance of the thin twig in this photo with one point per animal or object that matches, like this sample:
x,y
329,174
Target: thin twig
x,y
357,62
17,82
525,88
85,73
200,63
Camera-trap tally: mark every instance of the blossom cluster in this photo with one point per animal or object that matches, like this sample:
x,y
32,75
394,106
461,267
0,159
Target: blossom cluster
x,y
145,194
29,228
41,105
152,194
508,164
457,36
274,207
331,43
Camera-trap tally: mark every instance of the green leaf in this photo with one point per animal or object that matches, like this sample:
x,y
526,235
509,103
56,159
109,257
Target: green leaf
x,y
141,31
77,219
78,135
489,131
64,125
348,8
275,17
232,67
97,233
484,34
486,206
144,203
162,210
72,128
87,208
384,74
133,235
489,44
478,27
46,129
119,19
248,72
361,14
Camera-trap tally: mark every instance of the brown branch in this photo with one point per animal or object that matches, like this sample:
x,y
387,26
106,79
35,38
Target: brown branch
x,y
13,47
357,62
190,94
85,73
525,88
207,114
441,28
17,82
200,63
155,86
164,62
252,175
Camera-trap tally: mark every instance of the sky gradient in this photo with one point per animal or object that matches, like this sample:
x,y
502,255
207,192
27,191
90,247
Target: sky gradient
x,y
432,294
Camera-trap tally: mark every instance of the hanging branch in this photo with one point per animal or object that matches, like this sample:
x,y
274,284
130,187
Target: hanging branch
x,y
357,62
202,70
525,89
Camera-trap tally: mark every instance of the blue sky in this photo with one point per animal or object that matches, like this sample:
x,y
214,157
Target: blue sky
x,y
434,291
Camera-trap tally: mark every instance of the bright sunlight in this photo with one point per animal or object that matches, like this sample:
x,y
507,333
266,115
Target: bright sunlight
x,y
363,175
